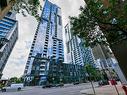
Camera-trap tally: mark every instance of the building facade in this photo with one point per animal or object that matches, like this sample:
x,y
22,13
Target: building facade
x,y
73,73
76,51
77,54
66,73
47,47
8,38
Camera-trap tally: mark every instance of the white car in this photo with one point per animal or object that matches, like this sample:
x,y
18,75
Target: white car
x,y
17,87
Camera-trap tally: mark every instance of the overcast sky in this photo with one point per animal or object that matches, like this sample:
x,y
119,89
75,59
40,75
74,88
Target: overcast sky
x,y
27,27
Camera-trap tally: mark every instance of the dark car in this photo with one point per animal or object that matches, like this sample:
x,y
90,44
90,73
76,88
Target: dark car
x,y
59,85
47,86
76,83
103,82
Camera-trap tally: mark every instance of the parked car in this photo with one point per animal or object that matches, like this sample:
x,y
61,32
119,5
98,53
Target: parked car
x,y
76,83
60,85
47,86
17,87
103,82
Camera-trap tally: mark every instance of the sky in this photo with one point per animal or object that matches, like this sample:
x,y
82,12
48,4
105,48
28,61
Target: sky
x,y
27,28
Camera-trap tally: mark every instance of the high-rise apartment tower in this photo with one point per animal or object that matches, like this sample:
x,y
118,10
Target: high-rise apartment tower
x,y
8,37
47,47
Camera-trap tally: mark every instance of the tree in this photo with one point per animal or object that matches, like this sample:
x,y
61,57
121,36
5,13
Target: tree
x,y
109,14
93,73
29,6
15,80
104,22
110,17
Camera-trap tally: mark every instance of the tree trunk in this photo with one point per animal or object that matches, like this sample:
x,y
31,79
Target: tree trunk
x,y
120,52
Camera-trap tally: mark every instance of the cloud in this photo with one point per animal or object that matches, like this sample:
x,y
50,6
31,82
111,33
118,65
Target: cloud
x,y
69,8
27,27
17,60
28,44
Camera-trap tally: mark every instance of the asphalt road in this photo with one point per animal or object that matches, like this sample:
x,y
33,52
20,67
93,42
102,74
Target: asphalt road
x,y
66,90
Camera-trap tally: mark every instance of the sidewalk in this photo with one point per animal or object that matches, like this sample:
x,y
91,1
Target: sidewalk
x,y
104,90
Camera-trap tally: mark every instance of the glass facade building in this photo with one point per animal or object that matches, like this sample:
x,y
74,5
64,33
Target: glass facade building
x,y
47,47
8,37
77,54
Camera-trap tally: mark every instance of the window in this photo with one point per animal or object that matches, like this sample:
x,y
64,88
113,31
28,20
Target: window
x,y
54,47
59,18
47,37
38,55
30,54
32,47
54,50
44,55
37,68
45,45
46,42
33,68
9,14
34,41
33,71
60,52
68,48
45,51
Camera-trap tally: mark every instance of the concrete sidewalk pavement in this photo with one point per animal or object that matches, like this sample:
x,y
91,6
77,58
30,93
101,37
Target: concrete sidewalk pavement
x,y
104,90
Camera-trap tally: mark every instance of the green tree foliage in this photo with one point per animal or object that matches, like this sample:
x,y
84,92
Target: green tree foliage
x,y
16,80
93,73
110,16
29,6
1,85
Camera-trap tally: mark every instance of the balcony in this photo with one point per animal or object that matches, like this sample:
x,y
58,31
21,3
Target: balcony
x,y
5,6
42,69
42,65
3,41
42,74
